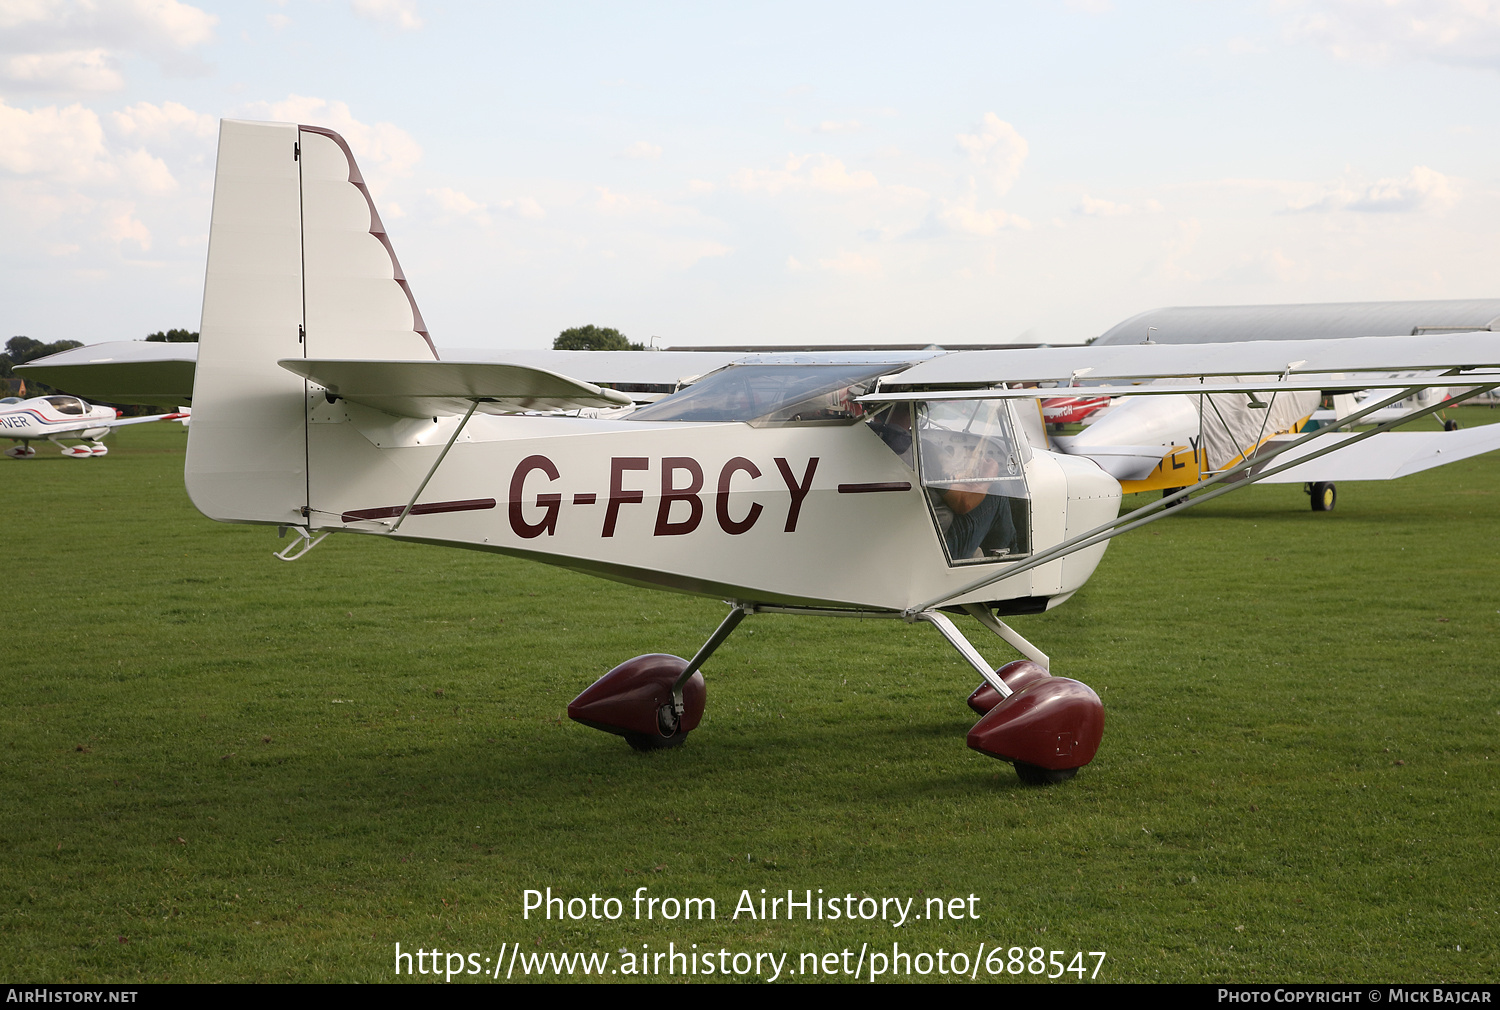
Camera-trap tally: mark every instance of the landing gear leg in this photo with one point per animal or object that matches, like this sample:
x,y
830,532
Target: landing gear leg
x,y
1047,727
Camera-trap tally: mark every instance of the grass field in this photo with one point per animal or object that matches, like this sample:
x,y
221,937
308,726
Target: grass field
x,y
220,767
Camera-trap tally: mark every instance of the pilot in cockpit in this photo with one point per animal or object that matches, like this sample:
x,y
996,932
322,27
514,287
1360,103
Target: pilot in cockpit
x,y
964,473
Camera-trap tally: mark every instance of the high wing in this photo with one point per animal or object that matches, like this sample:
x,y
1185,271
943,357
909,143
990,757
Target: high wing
x,y
1301,365
121,371
1388,456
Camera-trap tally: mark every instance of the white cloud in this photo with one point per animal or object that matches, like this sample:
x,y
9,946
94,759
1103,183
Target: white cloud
x,y
1423,189
66,143
76,46
176,24
1463,32
401,14
820,173
524,207
14,13
277,21
1100,208
835,126
63,185
641,150
852,264
966,217
145,122
120,224
1091,207
146,172
451,201
86,70
1270,266
610,202
1182,249
997,151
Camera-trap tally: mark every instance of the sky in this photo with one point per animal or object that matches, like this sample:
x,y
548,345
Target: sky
x,y
771,173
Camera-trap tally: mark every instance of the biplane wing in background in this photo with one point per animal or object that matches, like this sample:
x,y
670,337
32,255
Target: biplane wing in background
x,y
900,484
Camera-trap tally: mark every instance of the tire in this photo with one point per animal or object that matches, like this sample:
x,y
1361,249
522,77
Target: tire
x,y
1450,425
666,718
1034,775
1324,496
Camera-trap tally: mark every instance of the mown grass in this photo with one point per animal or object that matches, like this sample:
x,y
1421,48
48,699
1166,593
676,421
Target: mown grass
x,y
221,767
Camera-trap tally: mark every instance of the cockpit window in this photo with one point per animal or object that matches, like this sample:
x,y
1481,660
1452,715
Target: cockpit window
x,y
11,399
66,404
974,474
768,395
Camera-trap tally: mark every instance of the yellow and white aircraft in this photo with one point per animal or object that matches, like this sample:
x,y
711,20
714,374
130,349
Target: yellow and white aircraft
x,y
1166,442
906,485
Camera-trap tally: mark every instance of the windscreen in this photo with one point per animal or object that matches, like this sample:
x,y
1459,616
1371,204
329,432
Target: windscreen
x,y
771,394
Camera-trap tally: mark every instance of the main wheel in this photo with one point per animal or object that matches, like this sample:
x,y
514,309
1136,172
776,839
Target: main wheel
x,y
1167,492
1323,497
1035,775
1451,424
642,742
671,732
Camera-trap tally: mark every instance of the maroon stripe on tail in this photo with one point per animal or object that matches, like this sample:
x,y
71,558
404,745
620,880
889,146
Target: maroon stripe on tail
x,y
392,511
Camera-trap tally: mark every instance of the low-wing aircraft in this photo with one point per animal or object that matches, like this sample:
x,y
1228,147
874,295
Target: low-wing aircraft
x,y
60,416
901,485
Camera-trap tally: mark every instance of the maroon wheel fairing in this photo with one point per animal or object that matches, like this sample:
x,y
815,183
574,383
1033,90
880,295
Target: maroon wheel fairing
x,y
1054,723
1018,676
628,700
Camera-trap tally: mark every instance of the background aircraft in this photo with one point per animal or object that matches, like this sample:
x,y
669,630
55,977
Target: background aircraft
x,y
1165,443
62,416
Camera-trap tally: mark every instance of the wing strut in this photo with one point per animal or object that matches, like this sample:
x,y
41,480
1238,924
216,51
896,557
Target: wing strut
x,y
1142,516
473,406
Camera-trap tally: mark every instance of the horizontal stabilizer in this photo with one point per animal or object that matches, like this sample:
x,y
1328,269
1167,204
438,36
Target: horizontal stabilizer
x,y
438,388
1386,456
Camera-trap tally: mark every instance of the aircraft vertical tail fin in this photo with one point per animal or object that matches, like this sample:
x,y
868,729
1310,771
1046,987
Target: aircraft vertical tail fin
x,y
299,265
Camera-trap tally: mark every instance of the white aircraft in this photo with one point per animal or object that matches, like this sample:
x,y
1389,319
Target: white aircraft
x,y
908,486
1165,443
60,416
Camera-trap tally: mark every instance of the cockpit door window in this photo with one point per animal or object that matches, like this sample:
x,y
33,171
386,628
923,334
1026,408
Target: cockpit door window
x,y
973,471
